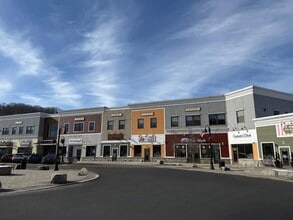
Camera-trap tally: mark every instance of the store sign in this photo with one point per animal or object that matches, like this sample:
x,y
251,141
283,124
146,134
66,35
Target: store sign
x,y
147,114
18,122
75,141
79,119
284,129
25,143
242,135
193,109
192,140
147,138
116,115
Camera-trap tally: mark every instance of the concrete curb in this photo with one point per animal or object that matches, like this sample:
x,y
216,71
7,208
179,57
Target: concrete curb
x,y
47,187
236,172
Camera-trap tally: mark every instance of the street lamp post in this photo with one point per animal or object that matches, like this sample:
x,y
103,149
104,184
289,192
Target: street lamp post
x,y
62,142
211,147
57,150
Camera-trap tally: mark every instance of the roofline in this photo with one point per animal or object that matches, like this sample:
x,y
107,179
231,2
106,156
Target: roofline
x,y
26,115
258,91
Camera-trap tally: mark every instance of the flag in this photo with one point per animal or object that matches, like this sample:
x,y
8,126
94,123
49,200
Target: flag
x,y
202,134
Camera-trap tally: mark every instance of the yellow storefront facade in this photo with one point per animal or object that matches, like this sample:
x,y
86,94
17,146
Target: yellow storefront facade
x,y
147,134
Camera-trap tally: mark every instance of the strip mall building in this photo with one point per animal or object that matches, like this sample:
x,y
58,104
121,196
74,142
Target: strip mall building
x,y
170,130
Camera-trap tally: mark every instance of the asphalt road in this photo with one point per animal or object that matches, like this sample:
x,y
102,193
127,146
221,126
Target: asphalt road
x,y
155,193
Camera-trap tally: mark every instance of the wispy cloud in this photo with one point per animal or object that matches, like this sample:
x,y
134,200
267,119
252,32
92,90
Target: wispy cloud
x,y
103,48
224,40
21,52
31,63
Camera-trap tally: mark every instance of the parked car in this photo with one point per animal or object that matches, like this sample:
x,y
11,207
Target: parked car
x,y
6,158
17,158
49,159
34,158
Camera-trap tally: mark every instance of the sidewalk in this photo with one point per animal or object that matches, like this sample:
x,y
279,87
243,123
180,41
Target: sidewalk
x,y
285,174
27,180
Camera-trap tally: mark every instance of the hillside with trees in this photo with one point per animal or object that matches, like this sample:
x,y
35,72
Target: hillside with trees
x,y
20,108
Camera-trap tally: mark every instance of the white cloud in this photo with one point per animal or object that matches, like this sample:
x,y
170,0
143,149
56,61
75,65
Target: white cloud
x,y
21,52
103,47
6,87
233,38
31,64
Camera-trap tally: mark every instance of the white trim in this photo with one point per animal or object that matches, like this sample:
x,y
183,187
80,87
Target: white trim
x,y
272,120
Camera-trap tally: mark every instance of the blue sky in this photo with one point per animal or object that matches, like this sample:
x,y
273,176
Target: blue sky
x,y
91,53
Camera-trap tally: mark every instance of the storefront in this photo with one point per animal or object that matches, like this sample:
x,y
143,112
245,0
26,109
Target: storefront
x,y
243,147
25,146
115,149
81,147
6,147
275,139
74,148
193,148
148,147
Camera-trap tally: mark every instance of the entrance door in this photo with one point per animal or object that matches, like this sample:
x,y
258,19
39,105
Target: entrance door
x,y
114,154
216,153
78,154
284,154
146,154
235,154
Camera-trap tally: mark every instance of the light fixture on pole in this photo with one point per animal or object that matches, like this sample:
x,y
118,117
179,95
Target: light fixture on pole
x,y
211,147
57,148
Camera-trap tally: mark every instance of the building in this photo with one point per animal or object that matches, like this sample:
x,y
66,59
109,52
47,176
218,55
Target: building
x,y
243,106
23,133
80,132
147,132
116,134
199,130
275,138
186,121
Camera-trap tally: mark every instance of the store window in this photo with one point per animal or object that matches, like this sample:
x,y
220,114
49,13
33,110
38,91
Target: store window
x,y
240,116
110,125
174,121
78,126
205,151
66,128
30,129
180,151
267,150
121,124
244,151
20,130
106,151
123,150
192,120
217,119
5,131
153,122
157,151
90,151
52,130
137,150
13,130
140,123
91,126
